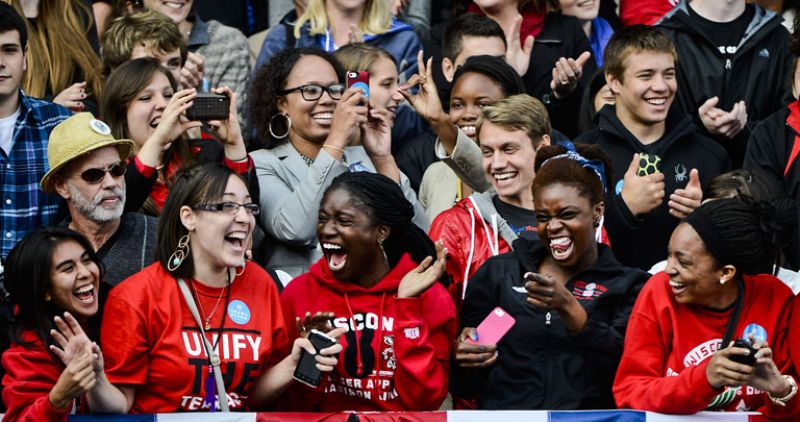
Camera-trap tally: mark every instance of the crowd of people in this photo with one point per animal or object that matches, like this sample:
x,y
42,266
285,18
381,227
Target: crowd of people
x,y
189,195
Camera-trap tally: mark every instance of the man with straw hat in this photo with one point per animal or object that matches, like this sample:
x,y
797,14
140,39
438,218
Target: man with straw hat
x,y
87,169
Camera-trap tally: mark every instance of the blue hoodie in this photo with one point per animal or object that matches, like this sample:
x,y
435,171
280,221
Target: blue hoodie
x,y
399,40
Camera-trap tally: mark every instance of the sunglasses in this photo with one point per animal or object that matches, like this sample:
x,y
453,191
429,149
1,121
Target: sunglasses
x,y
95,175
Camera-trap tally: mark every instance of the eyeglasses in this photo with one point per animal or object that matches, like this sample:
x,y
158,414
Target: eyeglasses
x,y
230,207
313,92
95,175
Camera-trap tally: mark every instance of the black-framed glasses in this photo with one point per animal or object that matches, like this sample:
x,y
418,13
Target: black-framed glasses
x,y
95,175
313,92
230,207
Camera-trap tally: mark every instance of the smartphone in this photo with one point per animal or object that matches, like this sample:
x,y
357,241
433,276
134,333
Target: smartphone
x,y
307,371
748,360
648,164
359,79
493,327
207,106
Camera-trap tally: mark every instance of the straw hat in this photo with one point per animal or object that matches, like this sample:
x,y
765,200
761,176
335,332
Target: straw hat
x,y
75,137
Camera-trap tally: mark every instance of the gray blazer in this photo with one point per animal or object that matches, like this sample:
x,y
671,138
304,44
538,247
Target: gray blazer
x,y
291,192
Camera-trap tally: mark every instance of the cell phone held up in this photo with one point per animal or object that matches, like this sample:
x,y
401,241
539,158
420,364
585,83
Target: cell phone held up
x,y
359,80
307,371
207,106
493,327
748,360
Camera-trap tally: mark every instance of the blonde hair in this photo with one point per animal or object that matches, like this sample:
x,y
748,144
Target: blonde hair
x,y
359,56
518,112
58,48
376,19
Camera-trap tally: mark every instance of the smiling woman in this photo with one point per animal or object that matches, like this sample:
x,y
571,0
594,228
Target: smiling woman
x,y
308,122
680,355
51,274
378,277
569,295
228,313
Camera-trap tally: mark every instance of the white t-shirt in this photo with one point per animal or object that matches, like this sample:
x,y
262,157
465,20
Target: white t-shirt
x,y
7,131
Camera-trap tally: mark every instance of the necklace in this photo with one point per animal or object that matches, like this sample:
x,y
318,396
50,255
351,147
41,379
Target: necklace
x,y
309,161
207,325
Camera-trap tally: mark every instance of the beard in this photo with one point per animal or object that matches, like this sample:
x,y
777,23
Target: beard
x,y
91,208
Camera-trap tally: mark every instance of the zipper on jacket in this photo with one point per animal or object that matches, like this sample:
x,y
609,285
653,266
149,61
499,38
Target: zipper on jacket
x,y
728,64
547,318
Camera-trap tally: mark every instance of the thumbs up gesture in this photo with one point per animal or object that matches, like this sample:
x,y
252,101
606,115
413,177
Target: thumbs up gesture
x,y
566,74
642,194
683,201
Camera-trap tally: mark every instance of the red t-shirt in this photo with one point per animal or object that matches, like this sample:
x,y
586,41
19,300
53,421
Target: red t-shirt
x,y
151,341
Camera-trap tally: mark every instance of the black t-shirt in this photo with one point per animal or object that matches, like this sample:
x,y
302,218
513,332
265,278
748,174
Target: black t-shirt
x,y
725,35
521,220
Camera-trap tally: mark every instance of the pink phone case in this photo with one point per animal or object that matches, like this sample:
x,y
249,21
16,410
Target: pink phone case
x,y
494,327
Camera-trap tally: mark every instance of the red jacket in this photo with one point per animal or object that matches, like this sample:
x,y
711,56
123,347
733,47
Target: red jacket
x,y
30,375
470,238
668,346
397,352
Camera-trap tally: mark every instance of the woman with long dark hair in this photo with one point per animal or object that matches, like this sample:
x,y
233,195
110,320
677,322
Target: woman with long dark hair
x,y
55,282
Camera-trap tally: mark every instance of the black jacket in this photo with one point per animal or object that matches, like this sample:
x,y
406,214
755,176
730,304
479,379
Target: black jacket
x,y
642,241
768,150
541,365
759,73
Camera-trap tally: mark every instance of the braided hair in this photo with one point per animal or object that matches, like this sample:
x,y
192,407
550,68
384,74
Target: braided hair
x,y
752,233
384,202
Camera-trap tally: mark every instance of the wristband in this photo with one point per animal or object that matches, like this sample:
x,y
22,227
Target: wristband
x,y
781,401
333,147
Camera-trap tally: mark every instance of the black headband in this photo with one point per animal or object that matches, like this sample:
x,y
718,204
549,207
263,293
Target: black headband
x,y
715,243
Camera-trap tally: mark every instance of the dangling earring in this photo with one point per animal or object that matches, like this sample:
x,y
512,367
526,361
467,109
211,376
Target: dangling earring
x,y
180,254
595,224
722,280
383,251
288,125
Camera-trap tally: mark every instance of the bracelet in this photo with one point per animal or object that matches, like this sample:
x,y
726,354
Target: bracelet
x,y
781,401
331,146
240,159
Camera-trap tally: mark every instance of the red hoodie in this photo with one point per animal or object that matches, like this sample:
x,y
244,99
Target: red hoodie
x,y
396,353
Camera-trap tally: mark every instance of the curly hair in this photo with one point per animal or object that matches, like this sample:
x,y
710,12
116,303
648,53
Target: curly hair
x,y
270,81
568,172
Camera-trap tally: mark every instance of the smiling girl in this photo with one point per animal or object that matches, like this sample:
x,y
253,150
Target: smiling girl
x,y
569,295
51,272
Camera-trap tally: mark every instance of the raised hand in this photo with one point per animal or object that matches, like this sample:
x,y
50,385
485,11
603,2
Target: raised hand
x,y
72,97
376,134
192,71
470,355
426,102
71,339
567,73
354,35
642,194
229,130
422,278
544,292
517,54
348,116
722,123
683,201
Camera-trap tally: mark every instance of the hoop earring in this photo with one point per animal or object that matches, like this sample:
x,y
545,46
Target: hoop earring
x,y
288,125
180,254
383,251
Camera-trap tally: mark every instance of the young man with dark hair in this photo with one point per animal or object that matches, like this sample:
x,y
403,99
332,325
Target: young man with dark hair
x,y
25,125
659,159
734,68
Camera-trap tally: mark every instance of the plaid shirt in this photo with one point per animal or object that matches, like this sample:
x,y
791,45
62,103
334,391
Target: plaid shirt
x,y
24,207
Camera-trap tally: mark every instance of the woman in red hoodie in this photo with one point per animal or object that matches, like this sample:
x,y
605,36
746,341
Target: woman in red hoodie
x,y
401,321
54,272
